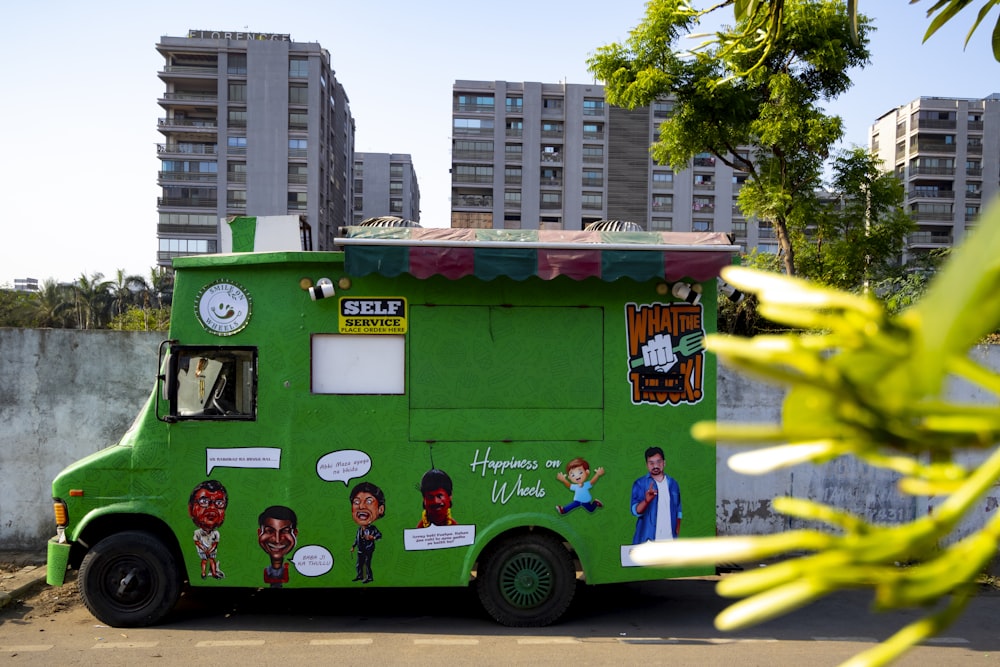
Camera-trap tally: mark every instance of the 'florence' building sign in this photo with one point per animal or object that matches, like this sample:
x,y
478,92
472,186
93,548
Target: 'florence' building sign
x,y
223,34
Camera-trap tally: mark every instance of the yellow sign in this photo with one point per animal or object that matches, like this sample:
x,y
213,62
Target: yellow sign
x,y
372,315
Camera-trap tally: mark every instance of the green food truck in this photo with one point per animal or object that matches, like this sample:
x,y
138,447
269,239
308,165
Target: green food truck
x,y
424,408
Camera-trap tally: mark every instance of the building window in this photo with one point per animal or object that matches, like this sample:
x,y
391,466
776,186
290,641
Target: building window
x,y
703,204
701,225
473,126
297,173
593,153
187,246
552,103
513,151
515,104
663,203
661,224
552,128
237,64
512,175
236,145
396,188
703,180
593,107
515,128
236,172
593,178
395,205
297,201
465,102
298,120
662,177
236,199
298,93
593,130
395,171
359,203
512,198
592,200
467,173
551,200
237,117
237,92
298,68
297,147
663,109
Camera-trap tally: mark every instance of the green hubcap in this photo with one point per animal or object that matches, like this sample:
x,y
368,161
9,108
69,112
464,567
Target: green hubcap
x,y
526,580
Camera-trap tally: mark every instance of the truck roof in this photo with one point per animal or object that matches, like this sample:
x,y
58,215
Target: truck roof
x,y
516,254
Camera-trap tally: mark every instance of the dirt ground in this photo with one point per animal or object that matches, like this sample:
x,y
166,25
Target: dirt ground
x,y
42,600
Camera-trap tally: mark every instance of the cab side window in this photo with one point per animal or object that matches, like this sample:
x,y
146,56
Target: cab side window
x,y
213,383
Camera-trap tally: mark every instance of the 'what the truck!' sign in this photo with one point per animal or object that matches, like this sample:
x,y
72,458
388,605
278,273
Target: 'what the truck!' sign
x,y
372,315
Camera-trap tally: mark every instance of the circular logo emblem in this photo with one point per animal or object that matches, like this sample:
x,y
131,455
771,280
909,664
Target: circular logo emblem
x,y
223,308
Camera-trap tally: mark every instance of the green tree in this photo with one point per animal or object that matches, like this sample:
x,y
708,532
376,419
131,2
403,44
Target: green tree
x,y
729,95
141,319
93,300
126,291
54,306
857,236
14,308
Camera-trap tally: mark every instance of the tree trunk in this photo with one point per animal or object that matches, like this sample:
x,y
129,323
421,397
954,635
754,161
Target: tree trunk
x,y
788,253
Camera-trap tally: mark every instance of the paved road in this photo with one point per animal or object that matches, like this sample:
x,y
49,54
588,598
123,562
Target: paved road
x,y
654,622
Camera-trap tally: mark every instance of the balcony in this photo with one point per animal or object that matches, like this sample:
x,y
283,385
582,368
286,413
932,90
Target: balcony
x,y
473,155
920,170
549,156
663,208
188,177
974,171
190,69
552,134
976,125
973,194
593,182
550,182
550,205
475,108
514,132
931,216
479,179
931,147
929,238
931,194
974,148
928,124
474,132
201,98
704,162
188,124
473,201
599,136
186,202
186,149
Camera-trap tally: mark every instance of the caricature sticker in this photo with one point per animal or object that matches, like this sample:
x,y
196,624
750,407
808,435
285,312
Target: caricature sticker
x,y
666,349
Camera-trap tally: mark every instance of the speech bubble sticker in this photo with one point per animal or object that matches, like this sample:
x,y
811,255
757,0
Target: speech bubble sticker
x,y
438,537
242,457
343,465
312,561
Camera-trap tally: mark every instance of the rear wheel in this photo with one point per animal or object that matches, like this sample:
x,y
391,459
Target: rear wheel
x,y
526,581
129,579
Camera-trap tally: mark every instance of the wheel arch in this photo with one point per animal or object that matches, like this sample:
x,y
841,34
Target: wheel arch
x,y
108,522
521,524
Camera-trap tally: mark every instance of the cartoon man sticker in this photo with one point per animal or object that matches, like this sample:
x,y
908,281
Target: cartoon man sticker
x,y
656,502
207,507
436,487
575,479
367,507
277,534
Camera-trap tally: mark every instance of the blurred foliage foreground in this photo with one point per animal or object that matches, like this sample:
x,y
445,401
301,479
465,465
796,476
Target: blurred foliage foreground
x,y
871,385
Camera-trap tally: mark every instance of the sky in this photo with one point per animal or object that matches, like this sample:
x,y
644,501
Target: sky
x,y
79,83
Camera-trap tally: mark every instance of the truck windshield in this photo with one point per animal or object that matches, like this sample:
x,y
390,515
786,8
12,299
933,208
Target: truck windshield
x,y
213,383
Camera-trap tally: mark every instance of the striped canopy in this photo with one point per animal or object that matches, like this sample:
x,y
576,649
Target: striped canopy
x,y
520,254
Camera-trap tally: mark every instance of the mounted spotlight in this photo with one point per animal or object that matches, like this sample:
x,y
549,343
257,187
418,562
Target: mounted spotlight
x,y
686,292
321,290
731,292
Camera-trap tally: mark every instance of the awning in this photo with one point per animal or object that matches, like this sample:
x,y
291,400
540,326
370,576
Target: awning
x,y
520,254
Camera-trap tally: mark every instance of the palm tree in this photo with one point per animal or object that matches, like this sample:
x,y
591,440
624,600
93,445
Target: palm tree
x,y
126,291
93,300
52,305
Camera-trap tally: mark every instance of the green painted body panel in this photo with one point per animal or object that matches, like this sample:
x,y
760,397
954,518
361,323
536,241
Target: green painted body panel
x,y
504,382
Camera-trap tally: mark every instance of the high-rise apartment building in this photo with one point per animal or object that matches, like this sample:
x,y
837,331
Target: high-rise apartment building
x,y
385,184
542,155
253,124
946,151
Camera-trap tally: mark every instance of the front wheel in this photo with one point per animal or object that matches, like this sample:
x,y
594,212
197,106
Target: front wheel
x,y
129,579
526,581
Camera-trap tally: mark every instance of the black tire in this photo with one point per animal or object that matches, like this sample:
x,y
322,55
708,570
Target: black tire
x,y
129,580
526,581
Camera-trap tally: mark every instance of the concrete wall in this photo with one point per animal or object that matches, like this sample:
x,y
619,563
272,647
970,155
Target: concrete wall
x,y
65,394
